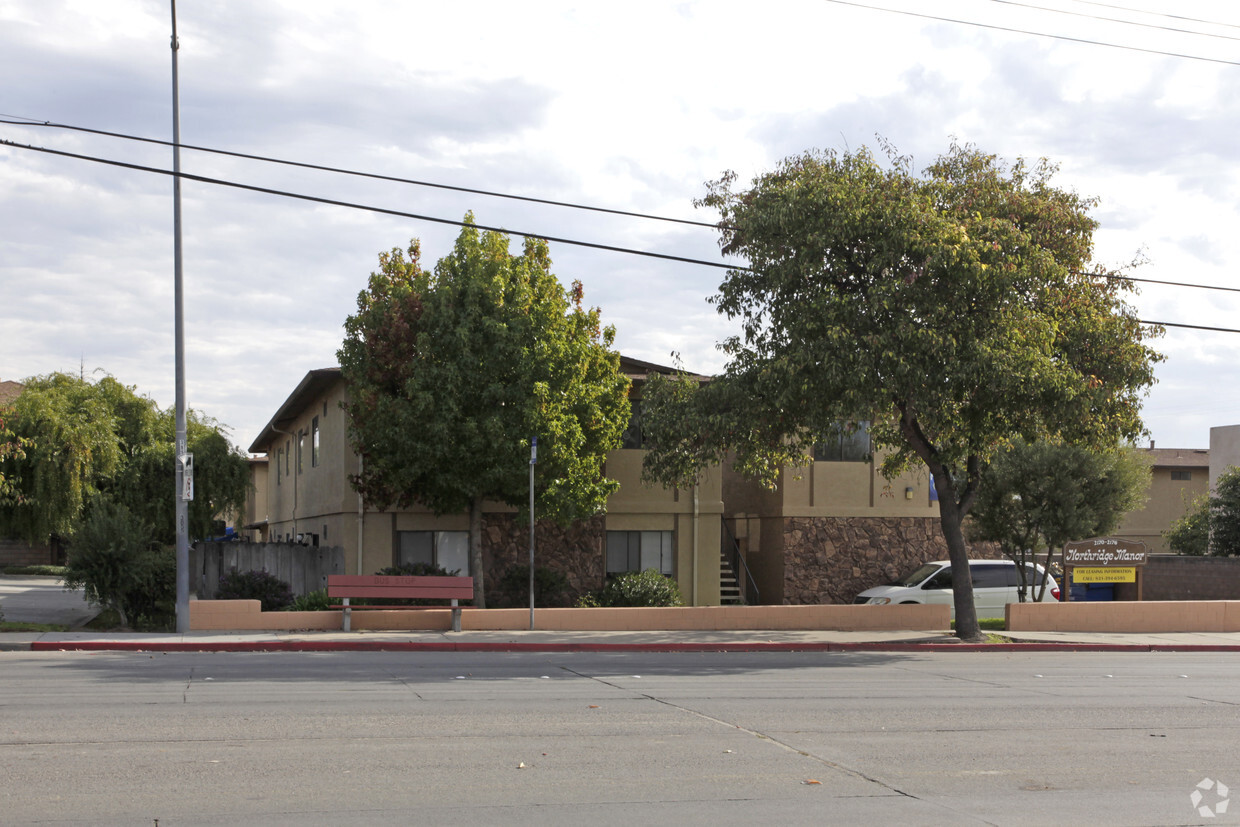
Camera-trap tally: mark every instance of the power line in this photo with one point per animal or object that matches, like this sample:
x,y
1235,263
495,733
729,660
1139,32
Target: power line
x,y
1035,34
1114,20
381,210
452,222
1159,14
20,121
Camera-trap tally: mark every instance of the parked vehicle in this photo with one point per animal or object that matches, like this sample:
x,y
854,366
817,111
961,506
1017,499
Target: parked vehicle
x,y
995,584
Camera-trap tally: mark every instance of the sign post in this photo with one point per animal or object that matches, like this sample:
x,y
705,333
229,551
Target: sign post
x,y
1103,560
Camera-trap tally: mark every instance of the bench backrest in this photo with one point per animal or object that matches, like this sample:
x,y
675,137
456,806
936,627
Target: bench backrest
x,y
419,586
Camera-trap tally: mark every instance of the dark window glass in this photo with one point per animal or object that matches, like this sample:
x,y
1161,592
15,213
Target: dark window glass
x,y
847,442
633,433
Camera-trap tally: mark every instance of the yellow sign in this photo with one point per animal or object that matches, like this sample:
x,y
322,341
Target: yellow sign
x,y
1104,574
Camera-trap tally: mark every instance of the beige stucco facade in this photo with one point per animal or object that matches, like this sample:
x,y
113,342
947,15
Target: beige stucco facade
x,y
309,499
1177,477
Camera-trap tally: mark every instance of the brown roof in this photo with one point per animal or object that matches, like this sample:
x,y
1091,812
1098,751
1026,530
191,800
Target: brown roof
x,y
1178,457
9,391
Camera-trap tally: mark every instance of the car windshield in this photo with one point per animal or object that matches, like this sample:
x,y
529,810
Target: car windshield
x,y
916,577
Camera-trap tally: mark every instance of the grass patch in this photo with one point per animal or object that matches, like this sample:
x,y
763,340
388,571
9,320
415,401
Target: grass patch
x,y
44,571
18,626
989,624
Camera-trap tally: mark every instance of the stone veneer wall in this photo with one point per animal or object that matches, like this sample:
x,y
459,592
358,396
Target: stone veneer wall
x,y
832,559
576,551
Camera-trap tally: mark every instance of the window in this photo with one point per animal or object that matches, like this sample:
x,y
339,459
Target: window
x,y
847,442
447,549
301,450
632,437
279,462
990,577
314,442
1182,475
288,453
639,550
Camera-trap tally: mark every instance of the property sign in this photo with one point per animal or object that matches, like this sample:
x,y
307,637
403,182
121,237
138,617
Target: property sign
x,y
1104,551
1104,574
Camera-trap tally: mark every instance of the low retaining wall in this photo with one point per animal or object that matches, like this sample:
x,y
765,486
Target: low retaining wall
x,y
1118,616
246,615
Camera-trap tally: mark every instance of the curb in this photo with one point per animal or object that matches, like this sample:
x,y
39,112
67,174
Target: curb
x,y
410,646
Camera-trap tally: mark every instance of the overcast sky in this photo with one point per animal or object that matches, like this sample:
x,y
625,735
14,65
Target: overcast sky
x,y
626,106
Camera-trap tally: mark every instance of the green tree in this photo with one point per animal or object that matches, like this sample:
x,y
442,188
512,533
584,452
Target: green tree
x,y
1190,534
1041,495
451,373
82,438
12,450
1212,523
115,559
957,311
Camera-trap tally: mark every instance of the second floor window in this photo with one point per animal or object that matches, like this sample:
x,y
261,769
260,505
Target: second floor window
x,y
846,442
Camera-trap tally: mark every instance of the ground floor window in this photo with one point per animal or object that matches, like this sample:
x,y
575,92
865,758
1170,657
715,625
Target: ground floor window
x,y
638,551
447,549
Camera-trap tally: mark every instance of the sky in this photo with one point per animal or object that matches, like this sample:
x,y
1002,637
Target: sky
x,y
630,107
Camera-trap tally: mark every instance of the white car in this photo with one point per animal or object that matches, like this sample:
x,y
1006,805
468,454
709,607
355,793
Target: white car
x,y
995,584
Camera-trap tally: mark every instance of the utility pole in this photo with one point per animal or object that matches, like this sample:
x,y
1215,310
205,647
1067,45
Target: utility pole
x,y
185,468
533,462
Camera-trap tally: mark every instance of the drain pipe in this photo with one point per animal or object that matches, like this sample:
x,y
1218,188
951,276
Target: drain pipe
x,y
361,518
695,544
291,439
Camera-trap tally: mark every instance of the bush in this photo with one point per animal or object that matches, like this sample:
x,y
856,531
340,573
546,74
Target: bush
x,y
647,588
271,591
315,601
115,561
551,588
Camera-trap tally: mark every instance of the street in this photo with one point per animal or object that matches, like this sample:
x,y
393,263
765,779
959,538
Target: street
x,y
455,738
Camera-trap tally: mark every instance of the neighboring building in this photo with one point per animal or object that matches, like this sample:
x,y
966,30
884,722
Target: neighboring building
x,y
1178,476
1224,450
834,528
309,499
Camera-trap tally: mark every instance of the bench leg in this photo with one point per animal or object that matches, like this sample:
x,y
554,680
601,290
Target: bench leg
x,y
347,616
456,616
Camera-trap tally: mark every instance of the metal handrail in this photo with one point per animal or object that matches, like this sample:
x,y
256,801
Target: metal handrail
x,y
732,548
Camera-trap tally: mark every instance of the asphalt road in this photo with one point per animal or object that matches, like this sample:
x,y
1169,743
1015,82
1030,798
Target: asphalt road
x,y
658,738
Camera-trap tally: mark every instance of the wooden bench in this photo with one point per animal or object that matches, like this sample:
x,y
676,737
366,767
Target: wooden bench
x,y
346,586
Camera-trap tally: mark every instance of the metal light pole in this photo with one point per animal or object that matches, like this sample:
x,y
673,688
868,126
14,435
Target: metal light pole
x,y
533,462
184,473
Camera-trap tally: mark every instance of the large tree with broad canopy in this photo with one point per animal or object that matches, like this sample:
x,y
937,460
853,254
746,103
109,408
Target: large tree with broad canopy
x,y
957,310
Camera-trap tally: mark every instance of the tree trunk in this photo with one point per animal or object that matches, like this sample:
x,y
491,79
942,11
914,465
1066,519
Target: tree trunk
x,y
475,552
950,518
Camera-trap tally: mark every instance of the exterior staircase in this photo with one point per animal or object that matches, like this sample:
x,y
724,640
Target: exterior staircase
x,y
729,586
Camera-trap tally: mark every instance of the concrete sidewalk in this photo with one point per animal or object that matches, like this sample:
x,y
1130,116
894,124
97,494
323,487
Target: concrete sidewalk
x,y
44,600
536,641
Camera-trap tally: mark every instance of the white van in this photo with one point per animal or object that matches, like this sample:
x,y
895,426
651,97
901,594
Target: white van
x,y
995,585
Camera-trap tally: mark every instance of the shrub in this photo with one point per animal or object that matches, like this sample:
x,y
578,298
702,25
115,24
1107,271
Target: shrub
x,y
646,588
115,561
271,591
315,601
551,588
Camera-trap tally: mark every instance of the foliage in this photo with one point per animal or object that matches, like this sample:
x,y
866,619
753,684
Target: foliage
x,y
1212,523
261,585
1190,534
451,373
957,311
315,601
634,588
82,438
114,559
12,447
1041,495
551,588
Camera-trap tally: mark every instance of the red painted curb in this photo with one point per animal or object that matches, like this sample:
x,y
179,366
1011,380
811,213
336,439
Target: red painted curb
x,y
410,646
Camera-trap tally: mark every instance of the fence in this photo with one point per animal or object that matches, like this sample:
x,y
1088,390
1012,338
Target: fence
x,y
304,568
